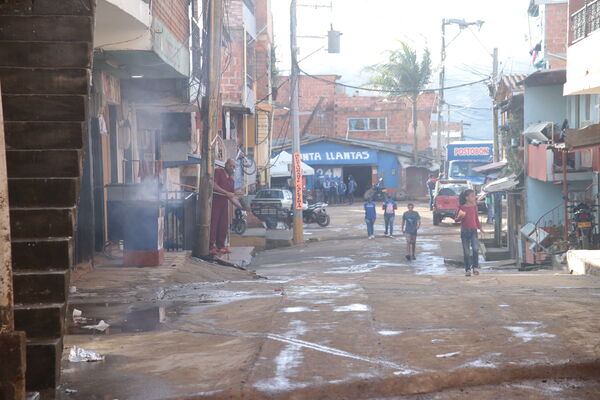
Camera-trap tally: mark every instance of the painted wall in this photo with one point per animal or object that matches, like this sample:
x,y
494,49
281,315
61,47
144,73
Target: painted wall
x,y
545,103
544,196
388,169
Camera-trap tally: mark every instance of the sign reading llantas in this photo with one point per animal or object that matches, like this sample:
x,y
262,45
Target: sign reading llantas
x,y
298,180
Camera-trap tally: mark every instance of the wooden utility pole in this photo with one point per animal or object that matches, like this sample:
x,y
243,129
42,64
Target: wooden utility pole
x,y
298,237
210,121
441,99
494,107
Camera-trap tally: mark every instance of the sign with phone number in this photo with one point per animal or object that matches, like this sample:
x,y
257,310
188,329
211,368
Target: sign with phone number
x,y
298,183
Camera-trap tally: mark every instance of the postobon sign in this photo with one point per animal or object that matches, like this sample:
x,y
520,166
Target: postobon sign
x,y
298,180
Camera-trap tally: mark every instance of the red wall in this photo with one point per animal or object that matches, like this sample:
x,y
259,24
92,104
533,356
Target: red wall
x,y
174,14
556,34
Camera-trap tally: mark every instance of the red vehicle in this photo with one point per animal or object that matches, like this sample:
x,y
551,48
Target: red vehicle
x,y
446,195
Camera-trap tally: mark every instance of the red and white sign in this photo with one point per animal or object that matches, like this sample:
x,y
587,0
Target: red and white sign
x,y
298,182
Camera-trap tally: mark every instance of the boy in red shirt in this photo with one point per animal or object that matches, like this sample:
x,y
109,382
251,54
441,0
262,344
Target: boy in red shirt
x,y
468,217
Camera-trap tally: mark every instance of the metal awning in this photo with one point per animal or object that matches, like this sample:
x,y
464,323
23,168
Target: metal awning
x,y
584,137
536,131
488,168
501,185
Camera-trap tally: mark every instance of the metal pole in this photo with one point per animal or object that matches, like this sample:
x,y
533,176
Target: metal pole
x,y
441,100
298,237
495,108
210,120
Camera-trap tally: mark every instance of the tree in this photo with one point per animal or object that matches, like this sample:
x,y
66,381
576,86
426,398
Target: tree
x,y
403,73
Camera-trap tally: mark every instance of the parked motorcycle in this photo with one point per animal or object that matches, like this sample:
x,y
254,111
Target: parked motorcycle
x,y
582,225
238,224
377,192
316,213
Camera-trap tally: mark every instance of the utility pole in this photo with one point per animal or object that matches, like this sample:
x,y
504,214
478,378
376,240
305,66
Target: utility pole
x,y
210,120
441,100
298,234
494,107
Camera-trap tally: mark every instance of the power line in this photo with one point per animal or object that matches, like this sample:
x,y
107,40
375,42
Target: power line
x,y
391,91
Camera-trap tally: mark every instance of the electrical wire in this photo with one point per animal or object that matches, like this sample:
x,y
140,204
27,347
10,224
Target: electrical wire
x,y
390,91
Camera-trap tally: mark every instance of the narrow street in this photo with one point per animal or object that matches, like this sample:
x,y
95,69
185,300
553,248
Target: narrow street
x,y
341,317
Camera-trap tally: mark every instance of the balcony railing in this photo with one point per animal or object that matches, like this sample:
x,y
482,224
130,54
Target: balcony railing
x,y
586,20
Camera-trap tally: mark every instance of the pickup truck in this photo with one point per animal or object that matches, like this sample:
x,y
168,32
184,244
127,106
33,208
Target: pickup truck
x,y
446,195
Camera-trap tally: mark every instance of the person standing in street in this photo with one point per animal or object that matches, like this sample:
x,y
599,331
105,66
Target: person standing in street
x,y
370,216
389,212
431,187
342,192
352,186
411,222
468,217
223,192
326,186
333,192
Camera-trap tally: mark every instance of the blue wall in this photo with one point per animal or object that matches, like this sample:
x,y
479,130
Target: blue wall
x,y
329,158
544,196
545,103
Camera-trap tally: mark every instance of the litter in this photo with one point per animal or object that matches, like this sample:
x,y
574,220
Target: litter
x,y
70,390
72,289
100,326
77,317
77,354
448,355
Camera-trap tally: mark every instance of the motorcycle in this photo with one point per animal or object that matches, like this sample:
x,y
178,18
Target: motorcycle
x,y
238,224
316,213
583,225
311,213
377,192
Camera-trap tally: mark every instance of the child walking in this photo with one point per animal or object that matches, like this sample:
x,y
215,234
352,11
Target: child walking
x,y
411,222
370,216
389,212
469,224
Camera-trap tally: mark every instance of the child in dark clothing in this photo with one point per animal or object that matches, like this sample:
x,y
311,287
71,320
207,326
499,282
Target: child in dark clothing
x,y
411,222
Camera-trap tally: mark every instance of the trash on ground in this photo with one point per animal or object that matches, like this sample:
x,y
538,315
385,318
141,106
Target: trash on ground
x,y
77,354
100,326
448,355
70,390
72,289
78,318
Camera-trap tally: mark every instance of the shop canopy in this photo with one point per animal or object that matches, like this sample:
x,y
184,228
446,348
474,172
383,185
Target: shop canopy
x,y
281,166
502,185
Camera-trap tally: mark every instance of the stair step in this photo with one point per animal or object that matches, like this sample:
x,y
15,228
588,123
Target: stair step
x,y
41,223
43,363
43,163
42,254
34,287
43,192
40,320
43,135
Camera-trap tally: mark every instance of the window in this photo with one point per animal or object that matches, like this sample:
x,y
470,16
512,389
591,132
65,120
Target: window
x,y
367,124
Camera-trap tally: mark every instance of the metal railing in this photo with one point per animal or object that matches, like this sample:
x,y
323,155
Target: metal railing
x,y
180,214
586,20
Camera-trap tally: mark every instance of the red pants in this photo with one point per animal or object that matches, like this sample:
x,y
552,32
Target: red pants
x,y
219,223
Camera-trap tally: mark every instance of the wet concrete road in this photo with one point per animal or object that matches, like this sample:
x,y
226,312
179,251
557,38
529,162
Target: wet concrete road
x,y
346,318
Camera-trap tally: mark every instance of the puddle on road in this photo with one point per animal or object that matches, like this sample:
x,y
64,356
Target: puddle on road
x,y
352,308
143,320
295,309
530,331
390,333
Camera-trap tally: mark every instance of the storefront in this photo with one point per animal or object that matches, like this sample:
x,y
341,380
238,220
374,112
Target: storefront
x,y
336,159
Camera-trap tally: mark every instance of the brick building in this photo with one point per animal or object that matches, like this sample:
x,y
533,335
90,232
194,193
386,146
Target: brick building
x,y
246,86
326,110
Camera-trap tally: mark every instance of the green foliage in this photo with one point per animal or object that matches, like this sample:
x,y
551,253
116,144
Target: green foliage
x,y
514,153
403,72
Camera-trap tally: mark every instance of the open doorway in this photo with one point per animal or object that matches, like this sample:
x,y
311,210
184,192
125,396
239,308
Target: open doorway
x,y
362,176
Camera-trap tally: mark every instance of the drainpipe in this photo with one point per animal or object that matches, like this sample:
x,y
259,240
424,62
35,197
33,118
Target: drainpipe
x,y
6,289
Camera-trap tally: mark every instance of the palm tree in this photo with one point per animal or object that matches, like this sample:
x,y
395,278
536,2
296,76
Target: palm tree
x,y
404,74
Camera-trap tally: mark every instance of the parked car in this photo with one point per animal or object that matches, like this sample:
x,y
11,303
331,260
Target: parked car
x,y
446,195
272,206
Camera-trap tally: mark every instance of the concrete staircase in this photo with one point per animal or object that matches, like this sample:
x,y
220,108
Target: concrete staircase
x,y
45,61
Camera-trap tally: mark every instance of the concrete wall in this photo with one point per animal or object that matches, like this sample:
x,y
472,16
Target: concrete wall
x,y
544,103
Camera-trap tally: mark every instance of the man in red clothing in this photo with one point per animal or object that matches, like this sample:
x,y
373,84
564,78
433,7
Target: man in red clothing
x,y
223,192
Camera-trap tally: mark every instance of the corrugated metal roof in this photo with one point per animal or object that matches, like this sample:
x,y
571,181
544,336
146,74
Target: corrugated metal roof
x,y
513,82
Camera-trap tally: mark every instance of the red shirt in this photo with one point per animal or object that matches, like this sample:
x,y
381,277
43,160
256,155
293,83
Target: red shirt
x,y
471,219
225,181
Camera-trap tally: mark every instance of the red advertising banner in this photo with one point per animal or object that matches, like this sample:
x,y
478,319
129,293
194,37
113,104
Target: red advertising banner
x,y
298,182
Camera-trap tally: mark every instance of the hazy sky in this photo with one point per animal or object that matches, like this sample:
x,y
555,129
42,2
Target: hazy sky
x,y
370,27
